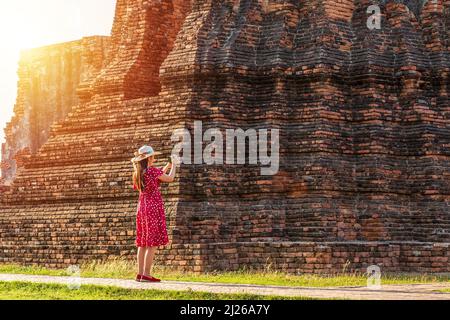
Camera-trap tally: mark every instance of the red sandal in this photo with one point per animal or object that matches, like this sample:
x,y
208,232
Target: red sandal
x,y
138,278
149,279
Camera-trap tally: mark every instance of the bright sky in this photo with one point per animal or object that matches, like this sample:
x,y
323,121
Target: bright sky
x,y
29,23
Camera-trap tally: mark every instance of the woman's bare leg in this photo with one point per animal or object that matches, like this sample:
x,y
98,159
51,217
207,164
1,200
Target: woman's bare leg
x,y
150,256
141,260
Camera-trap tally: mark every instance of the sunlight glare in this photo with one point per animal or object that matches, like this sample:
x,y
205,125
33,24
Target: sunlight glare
x,y
27,24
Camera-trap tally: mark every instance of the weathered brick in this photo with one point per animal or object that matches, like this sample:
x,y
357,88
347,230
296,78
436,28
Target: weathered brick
x,y
364,172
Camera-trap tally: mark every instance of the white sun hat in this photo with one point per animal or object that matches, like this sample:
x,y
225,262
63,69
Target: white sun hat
x,y
144,153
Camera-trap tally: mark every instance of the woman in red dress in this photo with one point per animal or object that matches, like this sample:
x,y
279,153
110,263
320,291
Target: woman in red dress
x,y
151,230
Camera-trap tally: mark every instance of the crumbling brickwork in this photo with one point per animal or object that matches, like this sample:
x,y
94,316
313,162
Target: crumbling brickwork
x,y
47,92
143,35
364,120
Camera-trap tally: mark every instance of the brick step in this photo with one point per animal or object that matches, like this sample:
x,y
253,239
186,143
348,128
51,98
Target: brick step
x,y
379,231
77,182
76,215
134,114
67,224
54,210
129,118
142,113
290,256
110,188
123,114
85,148
107,106
54,145
116,175
48,225
428,221
62,256
416,235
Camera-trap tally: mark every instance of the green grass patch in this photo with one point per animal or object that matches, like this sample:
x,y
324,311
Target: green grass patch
x,y
444,290
31,270
121,269
33,291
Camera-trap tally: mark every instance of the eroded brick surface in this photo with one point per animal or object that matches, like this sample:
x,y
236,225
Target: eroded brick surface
x,y
47,91
363,115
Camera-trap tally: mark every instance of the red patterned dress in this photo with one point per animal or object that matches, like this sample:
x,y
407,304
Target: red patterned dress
x,y
151,218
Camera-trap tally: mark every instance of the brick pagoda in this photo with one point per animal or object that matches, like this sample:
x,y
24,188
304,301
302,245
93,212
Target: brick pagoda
x,y
365,140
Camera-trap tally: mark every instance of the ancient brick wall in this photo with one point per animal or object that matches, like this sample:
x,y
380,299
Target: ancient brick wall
x,y
356,109
364,176
47,92
143,35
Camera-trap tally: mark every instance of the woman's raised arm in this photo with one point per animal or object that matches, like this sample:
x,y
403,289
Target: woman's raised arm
x,y
169,178
167,168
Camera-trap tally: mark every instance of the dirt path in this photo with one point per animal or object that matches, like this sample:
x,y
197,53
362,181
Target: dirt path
x,y
388,292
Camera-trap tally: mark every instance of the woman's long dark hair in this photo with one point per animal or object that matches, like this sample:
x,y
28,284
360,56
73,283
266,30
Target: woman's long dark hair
x,y
138,174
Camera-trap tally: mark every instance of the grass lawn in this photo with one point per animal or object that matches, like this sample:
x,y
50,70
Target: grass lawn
x,y
31,291
445,290
120,269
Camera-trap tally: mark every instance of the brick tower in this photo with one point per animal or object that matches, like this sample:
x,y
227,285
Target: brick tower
x,y
364,122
